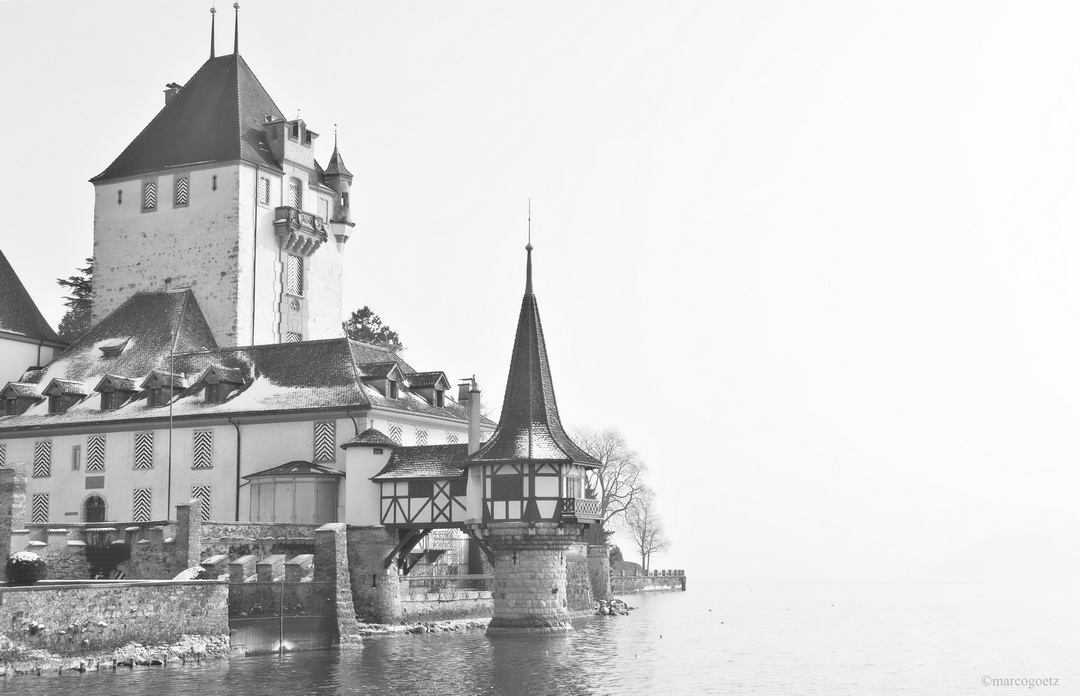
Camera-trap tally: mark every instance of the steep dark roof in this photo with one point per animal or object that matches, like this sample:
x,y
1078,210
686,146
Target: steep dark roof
x,y
336,165
370,437
218,116
529,427
59,387
380,370
425,461
427,380
23,391
297,468
118,383
18,313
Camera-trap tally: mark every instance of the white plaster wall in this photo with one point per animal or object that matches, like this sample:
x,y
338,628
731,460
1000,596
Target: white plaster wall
x,y
362,496
197,245
16,356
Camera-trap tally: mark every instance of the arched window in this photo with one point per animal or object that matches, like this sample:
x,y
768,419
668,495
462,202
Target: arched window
x,y
94,509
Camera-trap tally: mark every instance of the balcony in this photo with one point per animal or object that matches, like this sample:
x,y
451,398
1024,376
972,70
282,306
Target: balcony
x,y
299,232
580,509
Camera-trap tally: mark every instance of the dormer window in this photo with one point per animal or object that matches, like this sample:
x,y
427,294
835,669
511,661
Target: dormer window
x,y
113,348
161,387
156,398
115,391
220,382
63,394
440,398
295,131
19,396
11,407
392,388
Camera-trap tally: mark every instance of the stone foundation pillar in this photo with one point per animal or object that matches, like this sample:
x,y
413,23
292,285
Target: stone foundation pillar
x,y
12,509
530,576
331,563
375,588
600,571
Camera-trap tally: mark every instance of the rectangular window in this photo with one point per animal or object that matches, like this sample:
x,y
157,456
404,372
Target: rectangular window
x,y
42,458
293,337
76,457
324,209
149,195
296,197
395,433
144,450
202,449
3,455
95,453
182,191
264,190
421,437
377,450
507,487
325,450
39,509
202,494
140,505
11,407
294,275
421,489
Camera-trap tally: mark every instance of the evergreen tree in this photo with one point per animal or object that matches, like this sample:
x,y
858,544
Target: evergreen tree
x,y
80,288
365,326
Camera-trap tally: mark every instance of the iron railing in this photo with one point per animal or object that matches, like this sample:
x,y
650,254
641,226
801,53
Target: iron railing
x,y
433,583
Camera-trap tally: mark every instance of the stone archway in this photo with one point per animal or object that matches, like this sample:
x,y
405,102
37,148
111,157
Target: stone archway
x,y
94,509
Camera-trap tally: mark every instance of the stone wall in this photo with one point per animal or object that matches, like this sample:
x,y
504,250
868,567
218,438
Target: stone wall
x,y
375,588
579,594
77,618
443,605
236,539
599,571
653,581
331,565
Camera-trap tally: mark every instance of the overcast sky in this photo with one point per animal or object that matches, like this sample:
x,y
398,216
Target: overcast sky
x,y
819,262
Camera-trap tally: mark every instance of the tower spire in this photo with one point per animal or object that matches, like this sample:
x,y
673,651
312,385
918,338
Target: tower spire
x,y
236,29
213,20
528,252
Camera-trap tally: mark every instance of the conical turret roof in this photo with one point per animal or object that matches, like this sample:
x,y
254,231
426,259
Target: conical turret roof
x,y
529,427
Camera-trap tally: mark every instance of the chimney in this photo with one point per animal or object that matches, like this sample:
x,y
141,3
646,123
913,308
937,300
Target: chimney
x,y
172,89
469,396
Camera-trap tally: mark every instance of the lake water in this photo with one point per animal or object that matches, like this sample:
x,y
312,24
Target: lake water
x,y
717,638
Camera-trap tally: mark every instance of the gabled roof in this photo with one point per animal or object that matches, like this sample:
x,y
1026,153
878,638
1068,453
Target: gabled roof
x,y
428,380
18,313
380,370
529,427
21,390
63,387
297,468
425,461
216,117
116,383
159,378
372,438
224,375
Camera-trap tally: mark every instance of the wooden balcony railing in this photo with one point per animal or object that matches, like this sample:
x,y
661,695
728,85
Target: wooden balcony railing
x,y
581,508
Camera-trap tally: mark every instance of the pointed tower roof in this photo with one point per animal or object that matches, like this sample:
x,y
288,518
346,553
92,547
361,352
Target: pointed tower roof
x,y
529,427
18,313
217,116
336,165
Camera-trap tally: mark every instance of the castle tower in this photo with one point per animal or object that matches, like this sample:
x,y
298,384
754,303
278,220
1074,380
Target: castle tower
x,y
536,498
222,194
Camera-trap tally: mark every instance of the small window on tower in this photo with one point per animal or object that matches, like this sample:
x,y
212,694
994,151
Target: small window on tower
x,y
149,195
294,275
264,190
182,191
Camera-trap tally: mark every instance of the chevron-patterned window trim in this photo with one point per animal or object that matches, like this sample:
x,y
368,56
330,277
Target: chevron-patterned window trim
x,y
39,508
296,196
144,450
95,453
264,190
294,275
421,436
325,450
395,433
202,492
140,505
182,192
202,449
42,458
3,455
451,438
293,337
149,195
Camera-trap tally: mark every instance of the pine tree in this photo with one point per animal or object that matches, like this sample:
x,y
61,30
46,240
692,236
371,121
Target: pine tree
x,y
77,319
365,326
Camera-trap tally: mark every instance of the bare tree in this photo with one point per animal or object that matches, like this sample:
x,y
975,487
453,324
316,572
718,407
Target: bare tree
x,y
646,527
621,473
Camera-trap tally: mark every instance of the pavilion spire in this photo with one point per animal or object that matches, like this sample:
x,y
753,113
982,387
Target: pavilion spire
x,y
213,21
236,29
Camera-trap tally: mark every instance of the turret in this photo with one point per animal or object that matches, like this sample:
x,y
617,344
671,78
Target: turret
x,y
339,178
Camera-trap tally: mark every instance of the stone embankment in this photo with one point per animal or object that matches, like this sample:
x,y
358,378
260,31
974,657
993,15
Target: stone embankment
x,y
17,658
372,629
